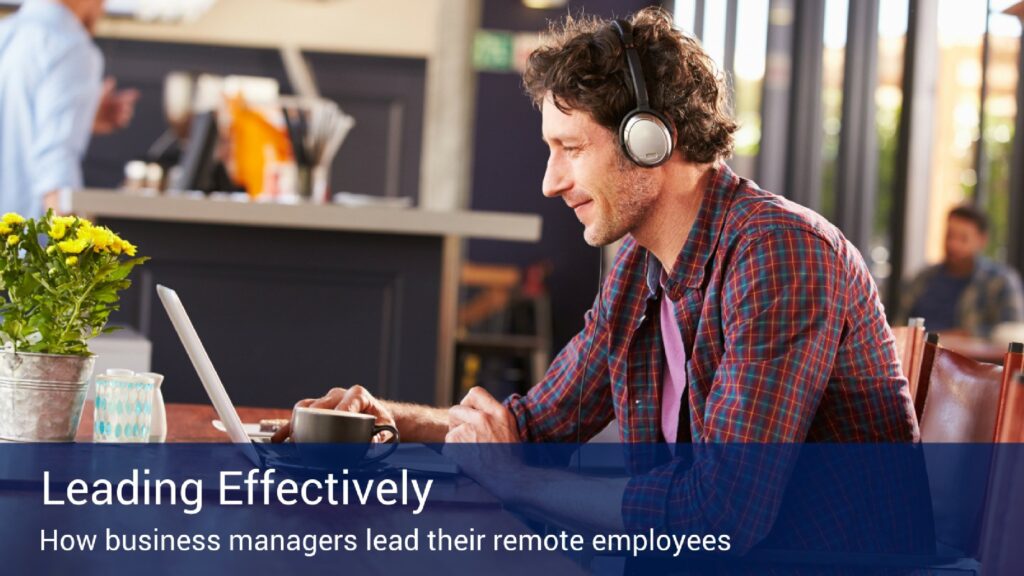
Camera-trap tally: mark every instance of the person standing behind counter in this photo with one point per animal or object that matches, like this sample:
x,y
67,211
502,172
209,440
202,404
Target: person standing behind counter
x,y
52,97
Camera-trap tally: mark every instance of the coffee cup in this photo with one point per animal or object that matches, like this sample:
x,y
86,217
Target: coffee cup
x,y
322,426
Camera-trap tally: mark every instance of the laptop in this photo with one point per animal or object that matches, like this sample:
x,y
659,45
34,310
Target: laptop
x,y
208,374
415,458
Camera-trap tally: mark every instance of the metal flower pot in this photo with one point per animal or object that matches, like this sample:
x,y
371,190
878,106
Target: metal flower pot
x,y
42,395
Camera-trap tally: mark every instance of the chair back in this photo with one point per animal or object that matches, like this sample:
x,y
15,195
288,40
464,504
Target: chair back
x,y
1011,429
1007,468
960,405
961,400
1010,415
909,349
928,351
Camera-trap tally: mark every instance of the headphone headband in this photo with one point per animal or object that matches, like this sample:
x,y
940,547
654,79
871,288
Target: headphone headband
x,y
644,134
625,30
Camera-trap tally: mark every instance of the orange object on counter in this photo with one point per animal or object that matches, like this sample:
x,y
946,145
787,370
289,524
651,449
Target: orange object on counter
x,y
252,136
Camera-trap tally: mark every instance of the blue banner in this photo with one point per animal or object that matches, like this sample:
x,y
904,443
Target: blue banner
x,y
517,509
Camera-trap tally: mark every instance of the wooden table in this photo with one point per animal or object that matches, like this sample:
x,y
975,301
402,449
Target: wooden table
x,y
190,422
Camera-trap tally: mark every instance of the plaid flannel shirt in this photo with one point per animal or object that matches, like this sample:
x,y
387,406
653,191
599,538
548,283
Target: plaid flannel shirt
x,y
786,339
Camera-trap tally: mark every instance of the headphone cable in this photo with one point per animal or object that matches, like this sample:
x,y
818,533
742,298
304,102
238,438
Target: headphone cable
x,y
586,362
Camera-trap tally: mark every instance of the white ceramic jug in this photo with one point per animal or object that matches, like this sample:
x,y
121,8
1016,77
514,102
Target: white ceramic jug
x,y
158,428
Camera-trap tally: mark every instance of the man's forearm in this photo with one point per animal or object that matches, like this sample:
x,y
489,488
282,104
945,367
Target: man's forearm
x,y
418,423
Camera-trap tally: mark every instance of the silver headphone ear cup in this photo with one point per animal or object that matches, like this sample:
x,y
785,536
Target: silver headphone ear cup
x,y
646,139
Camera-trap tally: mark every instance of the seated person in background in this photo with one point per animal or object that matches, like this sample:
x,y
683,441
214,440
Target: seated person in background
x,y
965,293
731,315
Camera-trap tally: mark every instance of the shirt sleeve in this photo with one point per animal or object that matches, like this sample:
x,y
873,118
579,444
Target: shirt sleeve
x,y
1011,299
782,321
552,409
65,109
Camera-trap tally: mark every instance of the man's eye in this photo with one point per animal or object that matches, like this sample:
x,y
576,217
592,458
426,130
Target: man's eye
x,y
571,150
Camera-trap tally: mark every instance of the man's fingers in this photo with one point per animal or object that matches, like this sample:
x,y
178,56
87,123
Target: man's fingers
x,y
129,95
453,420
329,400
455,435
359,400
482,400
285,431
354,400
466,415
282,433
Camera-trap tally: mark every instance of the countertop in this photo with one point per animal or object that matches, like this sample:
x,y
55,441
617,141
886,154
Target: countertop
x,y
382,220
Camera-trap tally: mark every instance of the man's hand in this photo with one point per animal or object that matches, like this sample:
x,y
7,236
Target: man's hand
x,y
51,201
116,108
480,419
355,399
482,435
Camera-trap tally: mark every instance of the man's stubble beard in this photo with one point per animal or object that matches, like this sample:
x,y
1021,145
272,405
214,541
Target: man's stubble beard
x,y
628,207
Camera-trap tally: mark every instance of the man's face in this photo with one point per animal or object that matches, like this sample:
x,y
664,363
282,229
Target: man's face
x,y
964,241
610,195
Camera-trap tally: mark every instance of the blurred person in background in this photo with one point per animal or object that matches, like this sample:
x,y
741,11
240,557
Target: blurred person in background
x,y
966,293
52,98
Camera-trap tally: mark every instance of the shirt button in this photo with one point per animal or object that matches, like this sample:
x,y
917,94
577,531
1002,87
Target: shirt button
x,y
637,402
642,318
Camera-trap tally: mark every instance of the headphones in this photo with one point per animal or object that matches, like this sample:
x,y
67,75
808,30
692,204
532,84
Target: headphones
x,y
644,134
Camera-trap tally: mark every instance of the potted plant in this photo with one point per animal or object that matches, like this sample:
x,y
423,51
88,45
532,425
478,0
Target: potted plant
x,y
60,278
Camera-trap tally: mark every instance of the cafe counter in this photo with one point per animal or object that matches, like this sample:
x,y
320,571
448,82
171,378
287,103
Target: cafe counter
x,y
293,299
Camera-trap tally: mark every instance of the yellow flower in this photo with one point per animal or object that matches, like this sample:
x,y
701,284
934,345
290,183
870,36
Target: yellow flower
x,y
13,219
65,221
58,230
51,249
129,248
4,229
71,260
73,246
12,240
100,236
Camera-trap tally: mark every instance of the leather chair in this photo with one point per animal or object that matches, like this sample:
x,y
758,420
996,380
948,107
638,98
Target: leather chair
x,y
910,341
1001,551
1010,416
961,399
920,392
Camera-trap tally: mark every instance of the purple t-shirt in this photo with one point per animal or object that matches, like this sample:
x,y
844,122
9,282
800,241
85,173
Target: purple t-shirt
x,y
673,383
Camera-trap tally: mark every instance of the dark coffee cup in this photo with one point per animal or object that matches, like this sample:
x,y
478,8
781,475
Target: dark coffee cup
x,y
322,426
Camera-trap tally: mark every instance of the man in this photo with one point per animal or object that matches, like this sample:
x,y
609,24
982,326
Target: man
x,y
966,292
52,97
730,315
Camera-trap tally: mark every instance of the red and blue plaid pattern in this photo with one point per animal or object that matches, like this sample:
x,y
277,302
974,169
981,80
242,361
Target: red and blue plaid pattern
x,y
786,336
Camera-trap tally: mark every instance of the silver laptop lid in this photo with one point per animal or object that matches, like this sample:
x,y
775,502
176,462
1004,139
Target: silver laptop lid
x,y
207,374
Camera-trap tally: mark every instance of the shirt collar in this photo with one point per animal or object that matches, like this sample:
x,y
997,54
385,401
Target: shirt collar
x,y
691,264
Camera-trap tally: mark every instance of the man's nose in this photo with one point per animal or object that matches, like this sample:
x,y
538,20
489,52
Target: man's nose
x,y
557,178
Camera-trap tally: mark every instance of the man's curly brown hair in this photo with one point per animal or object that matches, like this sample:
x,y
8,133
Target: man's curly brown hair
x,y
583,66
